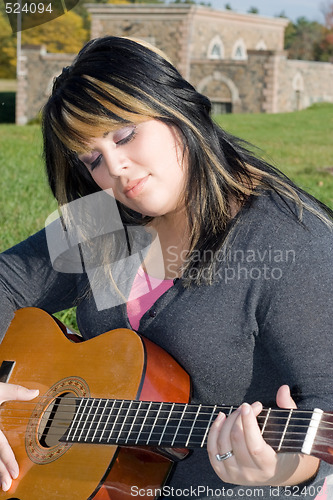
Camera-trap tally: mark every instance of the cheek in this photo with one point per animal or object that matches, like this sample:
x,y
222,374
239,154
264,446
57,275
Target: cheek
x,y
102,180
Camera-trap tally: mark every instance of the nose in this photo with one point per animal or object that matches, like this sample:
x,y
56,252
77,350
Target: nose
x,y
116,162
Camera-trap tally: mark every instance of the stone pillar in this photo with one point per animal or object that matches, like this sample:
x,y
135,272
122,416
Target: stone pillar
x,y
38,69
21,93
271,83
185,49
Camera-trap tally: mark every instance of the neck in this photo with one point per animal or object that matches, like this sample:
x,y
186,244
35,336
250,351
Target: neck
x,y
181,425
170,246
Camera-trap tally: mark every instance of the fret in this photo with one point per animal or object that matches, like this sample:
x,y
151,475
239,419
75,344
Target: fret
x,y
208,426
165,425
73,423
195,419
100,419
115,421
81,417
179,424
92,420
143,422
230,411
285,430
297,430
265,422
152,428
312,431
124,421
133,423
107,421
91,402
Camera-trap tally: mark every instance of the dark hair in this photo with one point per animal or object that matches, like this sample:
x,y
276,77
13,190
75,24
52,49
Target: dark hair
x,y
114,81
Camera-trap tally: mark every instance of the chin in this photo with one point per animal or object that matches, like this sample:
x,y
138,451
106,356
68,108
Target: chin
x,y
152,213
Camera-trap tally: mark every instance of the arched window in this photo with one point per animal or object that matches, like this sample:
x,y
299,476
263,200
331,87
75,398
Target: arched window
x,y
239,52
215,48
298,82
298,86
261,45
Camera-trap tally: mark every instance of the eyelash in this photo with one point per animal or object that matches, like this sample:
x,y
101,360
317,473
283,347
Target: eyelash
x,y
121,142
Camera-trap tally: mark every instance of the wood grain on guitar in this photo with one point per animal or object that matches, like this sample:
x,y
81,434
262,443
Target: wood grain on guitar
x,y
118,364
113,413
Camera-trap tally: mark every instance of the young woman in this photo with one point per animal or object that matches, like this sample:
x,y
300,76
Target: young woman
x,y
238,265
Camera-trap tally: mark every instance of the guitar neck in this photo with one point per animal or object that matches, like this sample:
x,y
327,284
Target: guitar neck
x,y
176,425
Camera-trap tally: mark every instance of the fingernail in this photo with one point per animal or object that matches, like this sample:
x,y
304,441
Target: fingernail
x,y
256,405
5,486
14,473
220,416
245,408
36,391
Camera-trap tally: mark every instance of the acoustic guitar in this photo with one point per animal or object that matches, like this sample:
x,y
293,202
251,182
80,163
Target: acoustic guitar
x,y
113,413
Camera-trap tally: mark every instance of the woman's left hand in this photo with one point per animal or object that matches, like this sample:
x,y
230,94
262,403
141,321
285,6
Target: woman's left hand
x,y
253,462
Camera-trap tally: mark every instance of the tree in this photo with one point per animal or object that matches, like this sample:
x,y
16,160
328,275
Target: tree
x,y
7,49
207,4
324,50
63,34
282,15
327,9
228,6
253,10
302,37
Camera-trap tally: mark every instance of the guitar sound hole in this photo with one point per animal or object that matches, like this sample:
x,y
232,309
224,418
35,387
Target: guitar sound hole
x,y
56,419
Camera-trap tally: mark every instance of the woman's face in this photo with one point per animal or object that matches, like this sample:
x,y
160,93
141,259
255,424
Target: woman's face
x,y
142,164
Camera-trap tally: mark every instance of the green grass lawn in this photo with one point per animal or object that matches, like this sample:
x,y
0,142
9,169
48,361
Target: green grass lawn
x,y
25,200
299,144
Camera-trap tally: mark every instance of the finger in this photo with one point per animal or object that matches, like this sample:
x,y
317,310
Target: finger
x,y
213,435
261,453
284,399
8,466
12,392
223,442
238,441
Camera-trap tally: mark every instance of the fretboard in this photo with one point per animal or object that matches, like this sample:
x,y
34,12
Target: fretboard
x,y
175,425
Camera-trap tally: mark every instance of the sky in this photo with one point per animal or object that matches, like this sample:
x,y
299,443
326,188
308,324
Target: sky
x,y
292,8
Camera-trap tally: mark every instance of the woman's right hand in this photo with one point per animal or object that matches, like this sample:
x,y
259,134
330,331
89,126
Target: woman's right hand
x,y
9,469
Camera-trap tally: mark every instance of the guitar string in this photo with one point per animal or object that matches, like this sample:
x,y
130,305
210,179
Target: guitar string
x,y
66,424
209,408
72,409
181,439
185,420
61,416
173,417
162,422
59,423
59,419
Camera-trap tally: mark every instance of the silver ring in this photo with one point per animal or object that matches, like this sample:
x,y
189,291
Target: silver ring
x,y
225,456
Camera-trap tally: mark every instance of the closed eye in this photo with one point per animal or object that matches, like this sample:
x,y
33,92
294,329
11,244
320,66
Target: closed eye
x,y
96,162
124,135
120,137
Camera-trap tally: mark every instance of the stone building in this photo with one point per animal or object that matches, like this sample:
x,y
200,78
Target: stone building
x,y
237,60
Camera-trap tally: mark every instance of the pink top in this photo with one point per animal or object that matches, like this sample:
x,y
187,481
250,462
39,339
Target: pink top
x,y
144,293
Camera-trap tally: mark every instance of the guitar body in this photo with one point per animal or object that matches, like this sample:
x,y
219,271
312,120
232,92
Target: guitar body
x,y
118,364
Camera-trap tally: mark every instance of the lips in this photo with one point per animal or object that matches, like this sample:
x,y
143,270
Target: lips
x,y
133,188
